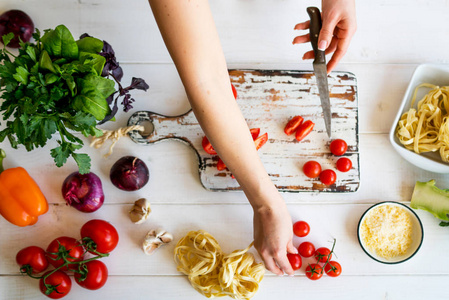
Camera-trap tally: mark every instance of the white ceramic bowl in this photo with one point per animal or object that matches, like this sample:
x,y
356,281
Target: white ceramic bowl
x,y
434,74
417,235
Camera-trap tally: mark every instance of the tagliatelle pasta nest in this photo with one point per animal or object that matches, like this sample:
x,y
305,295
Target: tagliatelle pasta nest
x,y
426,129
215,274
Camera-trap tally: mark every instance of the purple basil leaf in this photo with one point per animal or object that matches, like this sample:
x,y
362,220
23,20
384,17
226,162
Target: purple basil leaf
x,y
118,73
110,99
139,84
84,35
127,100
107,49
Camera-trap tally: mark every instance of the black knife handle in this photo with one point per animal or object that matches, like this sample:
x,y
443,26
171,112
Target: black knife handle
x,y
314,29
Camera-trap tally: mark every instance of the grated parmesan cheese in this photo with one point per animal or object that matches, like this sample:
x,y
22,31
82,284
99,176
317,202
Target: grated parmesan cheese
x,y
387,230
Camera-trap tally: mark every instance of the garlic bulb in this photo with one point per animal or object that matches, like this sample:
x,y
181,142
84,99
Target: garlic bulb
x,y
155,239
140,211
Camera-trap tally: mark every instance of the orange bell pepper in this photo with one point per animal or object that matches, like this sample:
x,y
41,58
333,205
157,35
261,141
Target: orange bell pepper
x,y
21,200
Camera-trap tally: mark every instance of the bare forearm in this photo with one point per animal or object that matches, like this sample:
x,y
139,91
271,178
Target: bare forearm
x,y
189,33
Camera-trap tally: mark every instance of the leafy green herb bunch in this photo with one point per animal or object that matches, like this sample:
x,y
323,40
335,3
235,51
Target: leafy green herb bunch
x,y
57,84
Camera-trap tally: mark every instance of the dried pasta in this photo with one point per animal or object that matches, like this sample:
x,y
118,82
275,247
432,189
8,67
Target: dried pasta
x,y
426,129
215,274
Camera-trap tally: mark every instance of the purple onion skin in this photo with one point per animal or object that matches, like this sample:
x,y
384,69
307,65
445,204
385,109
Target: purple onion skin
x,y
17,22
129,173
83,191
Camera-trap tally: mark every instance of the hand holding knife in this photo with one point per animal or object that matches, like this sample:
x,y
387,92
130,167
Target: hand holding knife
x,y
319,66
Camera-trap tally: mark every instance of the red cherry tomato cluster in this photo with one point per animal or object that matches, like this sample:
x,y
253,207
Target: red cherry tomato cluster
x,y
301,128
322,256
312,169
66,254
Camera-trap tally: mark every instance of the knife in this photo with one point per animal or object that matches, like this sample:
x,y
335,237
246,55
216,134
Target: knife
x,y
319,66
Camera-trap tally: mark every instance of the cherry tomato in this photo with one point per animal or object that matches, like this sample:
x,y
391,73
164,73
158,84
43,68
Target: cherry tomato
x,y
323,254
303,130
306,249
295,260
207,146
261,140
255,132
59,285
312,169
328,177
96,276
74,248
314,271
344,164
338,147
332,268
102,233
32,259
301,229
234,91
220,165
293,124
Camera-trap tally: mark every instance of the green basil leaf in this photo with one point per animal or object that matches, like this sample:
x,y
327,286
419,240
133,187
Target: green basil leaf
x,y
95,60
45,62
50,78
90,44
60,43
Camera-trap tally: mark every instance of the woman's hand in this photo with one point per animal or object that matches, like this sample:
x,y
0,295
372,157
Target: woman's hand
x,y
339,25
273,235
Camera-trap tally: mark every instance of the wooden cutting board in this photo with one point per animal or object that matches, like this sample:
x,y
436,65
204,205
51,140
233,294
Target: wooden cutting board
x,y
268,99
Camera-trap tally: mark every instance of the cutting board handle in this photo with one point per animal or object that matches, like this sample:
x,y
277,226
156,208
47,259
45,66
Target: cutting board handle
x,y
159,127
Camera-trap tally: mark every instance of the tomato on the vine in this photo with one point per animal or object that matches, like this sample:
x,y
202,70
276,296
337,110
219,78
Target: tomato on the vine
x,y
344,164
312,169
32,260
338,147
301,228
328,177
102,233
73,251
58,284
314,271
332,268
295,261
306,249
323,254
94,275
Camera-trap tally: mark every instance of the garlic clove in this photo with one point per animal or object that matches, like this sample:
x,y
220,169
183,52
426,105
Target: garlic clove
x,y
140,211
155,239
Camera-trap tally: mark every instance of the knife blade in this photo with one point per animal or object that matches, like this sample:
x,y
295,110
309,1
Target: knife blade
x,y
319,66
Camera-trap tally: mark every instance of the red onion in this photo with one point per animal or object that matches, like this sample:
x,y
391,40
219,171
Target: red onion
x,y
129,173
83,191
19,23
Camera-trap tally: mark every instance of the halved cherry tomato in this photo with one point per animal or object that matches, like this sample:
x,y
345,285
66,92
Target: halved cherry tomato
x,y
254,132
312,169
338,147
293,124
234,91
314,271
73,249
95,277
306,249
220,165
328,177
295,261
32,259
344,164
59,284
261,140
323,254
304,129
301,228
102,233
207,146
332,268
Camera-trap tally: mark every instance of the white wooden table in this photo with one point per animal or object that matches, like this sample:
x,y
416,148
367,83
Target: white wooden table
x,y
393,38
